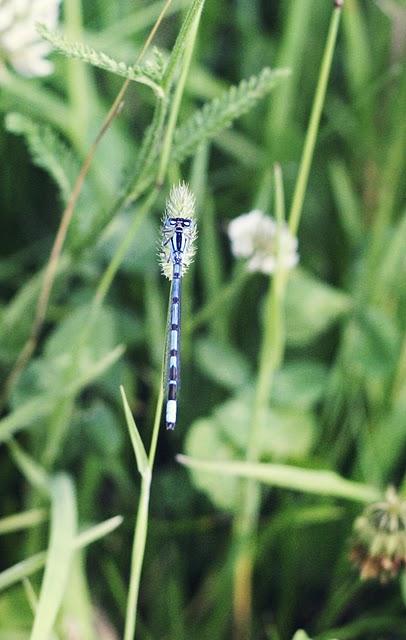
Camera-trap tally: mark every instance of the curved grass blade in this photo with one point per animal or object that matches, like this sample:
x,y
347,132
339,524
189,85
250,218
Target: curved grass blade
x,y
323,483
59,556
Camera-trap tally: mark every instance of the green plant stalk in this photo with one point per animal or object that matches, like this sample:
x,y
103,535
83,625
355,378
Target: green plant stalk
x,y
198,184
140,536
178,50
141,525
111,271
271,354
290,55
391,178
177,98
246,519
77,76
312,131
144,176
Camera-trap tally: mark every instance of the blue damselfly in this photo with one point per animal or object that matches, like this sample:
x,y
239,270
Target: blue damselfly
x,y
177,251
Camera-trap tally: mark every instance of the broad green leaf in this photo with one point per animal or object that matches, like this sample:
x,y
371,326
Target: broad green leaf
x,y
101,339
64,367
381,446
311,307
222,363
58,558
41,405
325,483
300,384
99,426
95,370
140,257
286,433
375,343
204,436
139,450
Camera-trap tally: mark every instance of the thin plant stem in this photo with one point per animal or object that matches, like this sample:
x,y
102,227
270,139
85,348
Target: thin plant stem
x,y
137,556
271,354
141,523
177,98
77,75
110,272
269,361
52,265
312,130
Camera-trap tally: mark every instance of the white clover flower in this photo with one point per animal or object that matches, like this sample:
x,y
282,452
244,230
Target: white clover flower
x,y
20,44
256,236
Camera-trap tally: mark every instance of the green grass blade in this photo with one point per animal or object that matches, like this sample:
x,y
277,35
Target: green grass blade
x,y
96,532
139,450
32,564
22,570
30,468
59,556
23,520
323,483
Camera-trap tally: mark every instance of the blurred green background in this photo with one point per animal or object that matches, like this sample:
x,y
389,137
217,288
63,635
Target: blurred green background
x,y
338,401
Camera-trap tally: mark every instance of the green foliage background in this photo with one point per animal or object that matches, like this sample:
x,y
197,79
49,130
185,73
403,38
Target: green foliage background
x,y
338,400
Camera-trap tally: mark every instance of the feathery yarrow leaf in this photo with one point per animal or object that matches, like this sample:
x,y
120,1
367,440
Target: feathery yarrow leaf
x,y
149,72
47,150
220,113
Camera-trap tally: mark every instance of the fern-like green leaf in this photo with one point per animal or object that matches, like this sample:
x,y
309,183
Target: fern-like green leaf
x,y
219,114
48,151
149,73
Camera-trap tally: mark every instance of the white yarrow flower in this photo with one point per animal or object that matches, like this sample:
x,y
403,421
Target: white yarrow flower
x,y
20,44
256,236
